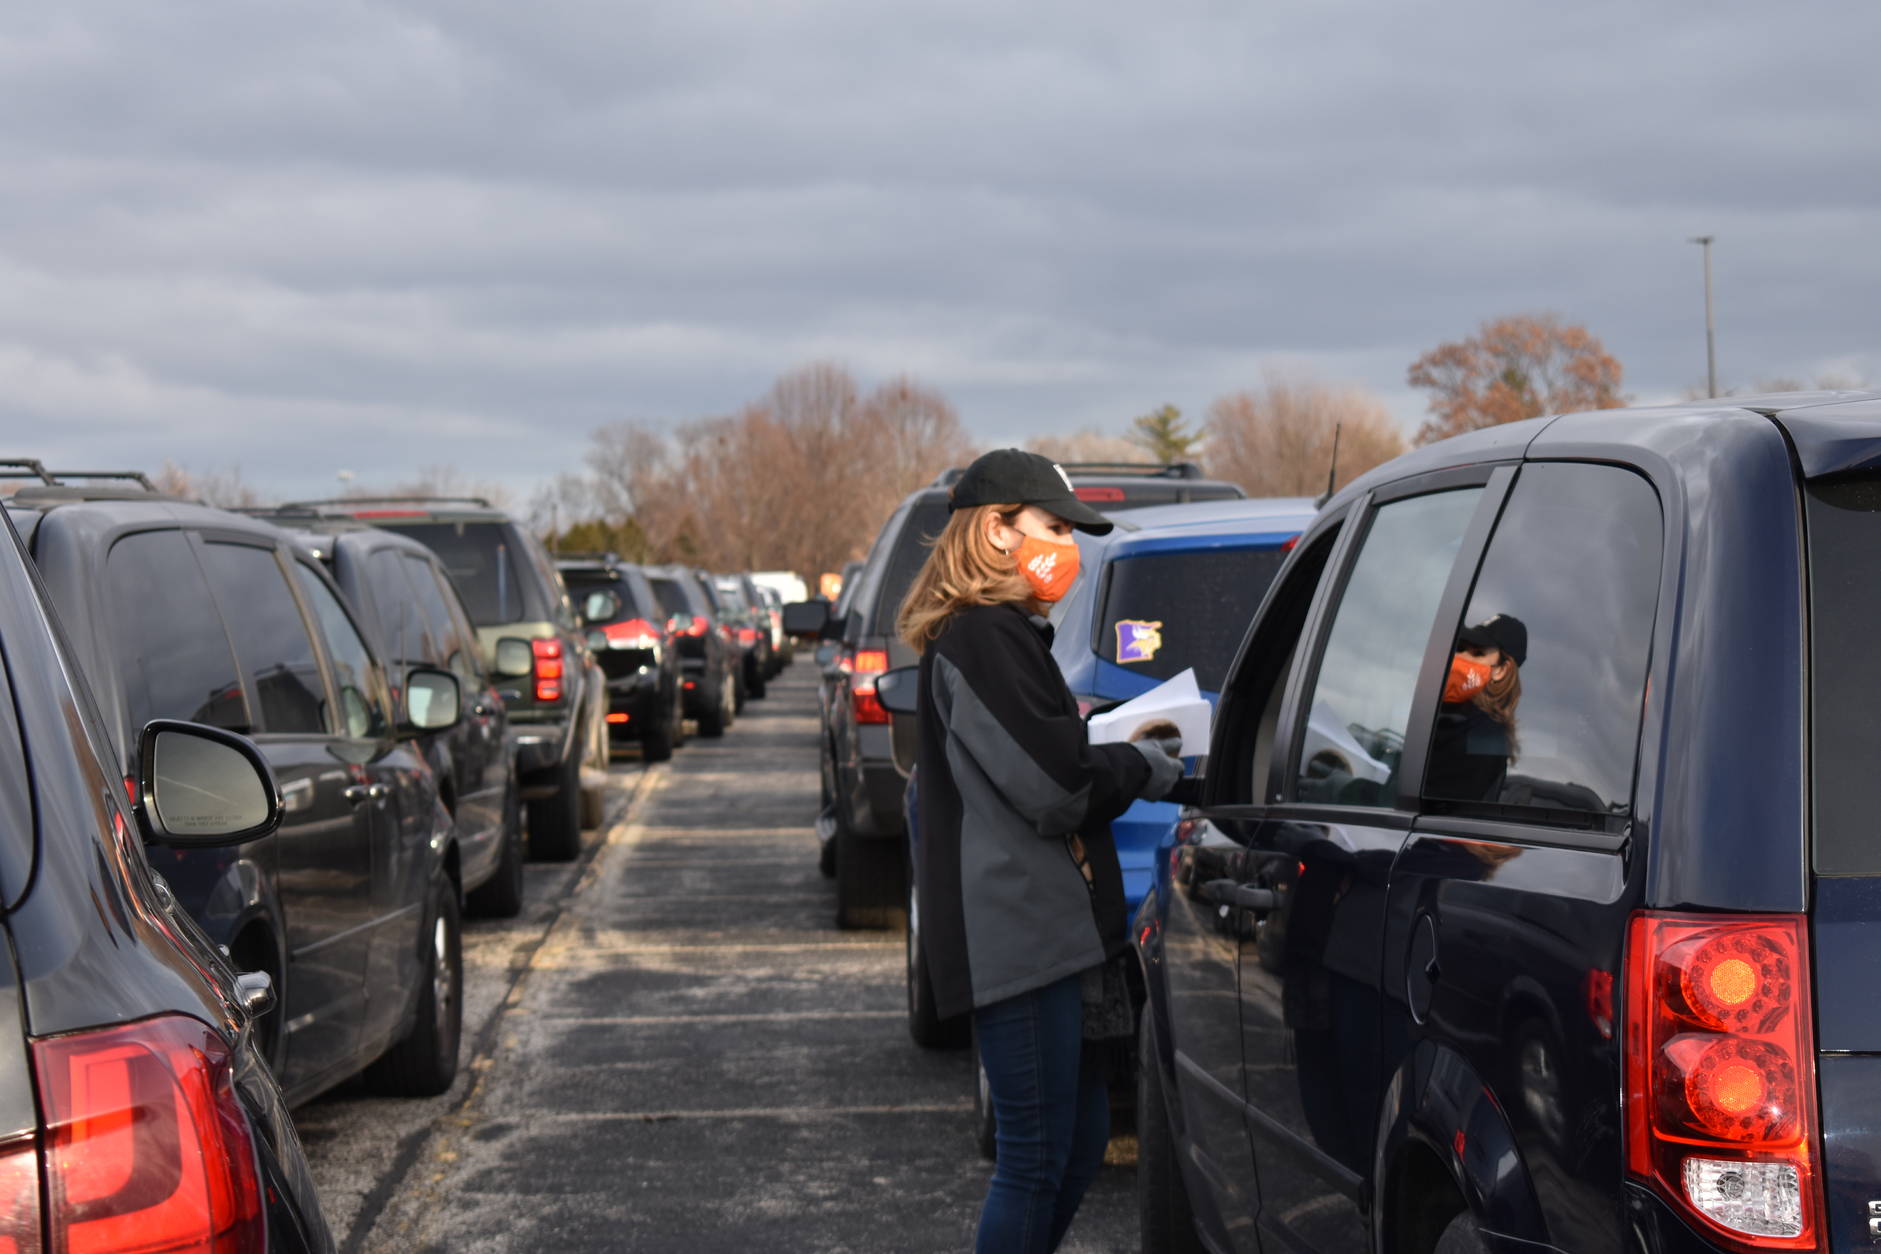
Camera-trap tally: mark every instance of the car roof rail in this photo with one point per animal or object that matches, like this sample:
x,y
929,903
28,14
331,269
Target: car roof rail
x,y
1148,470
63,478
354,502
578,558
25,468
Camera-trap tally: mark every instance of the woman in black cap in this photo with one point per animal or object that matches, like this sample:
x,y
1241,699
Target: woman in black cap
x,y
1474,740
1016,877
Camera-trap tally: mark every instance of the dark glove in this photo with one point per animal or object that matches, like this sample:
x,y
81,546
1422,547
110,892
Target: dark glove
x,y
1165,766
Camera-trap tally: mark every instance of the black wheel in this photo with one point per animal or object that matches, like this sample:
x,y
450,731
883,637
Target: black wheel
x,y
740,690
501,896
926,1026
985,1127
656,740
714,721
1165,1221
756,675
868,879
555,820
423,1062
1461,1237
678,718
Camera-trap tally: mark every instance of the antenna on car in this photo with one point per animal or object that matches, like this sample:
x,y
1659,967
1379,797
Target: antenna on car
x,y
1332,471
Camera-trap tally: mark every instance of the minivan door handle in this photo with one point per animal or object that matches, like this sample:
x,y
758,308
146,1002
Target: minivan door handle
x,y
1240,896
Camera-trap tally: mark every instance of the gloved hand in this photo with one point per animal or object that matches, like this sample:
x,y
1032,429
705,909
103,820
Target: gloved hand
x,y
1164,762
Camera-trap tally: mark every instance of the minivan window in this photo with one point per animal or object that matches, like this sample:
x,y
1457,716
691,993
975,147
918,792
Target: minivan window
x,y
923,525
1844,523
1164,612
481,561
1361,703
174,655
270,638
1571,580
361,715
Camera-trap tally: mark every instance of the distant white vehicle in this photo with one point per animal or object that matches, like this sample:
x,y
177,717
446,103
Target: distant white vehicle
x,y
788,583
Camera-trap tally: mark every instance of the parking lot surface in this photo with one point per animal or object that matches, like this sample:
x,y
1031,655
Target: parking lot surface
x,y
673,1048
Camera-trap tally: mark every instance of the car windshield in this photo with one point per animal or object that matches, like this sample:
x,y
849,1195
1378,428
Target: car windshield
x,y
1164,612
481,564
924,523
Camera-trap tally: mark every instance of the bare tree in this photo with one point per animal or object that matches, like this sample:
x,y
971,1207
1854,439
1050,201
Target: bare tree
x,y
915,433
1277,439
1828,381
1086,445
223,488
439,479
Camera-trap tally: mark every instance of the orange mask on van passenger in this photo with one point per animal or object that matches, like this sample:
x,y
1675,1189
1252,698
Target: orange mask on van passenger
x,y
1049,568
1467,677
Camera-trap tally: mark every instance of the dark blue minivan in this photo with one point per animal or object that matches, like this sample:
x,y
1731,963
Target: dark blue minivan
x,y
1533,901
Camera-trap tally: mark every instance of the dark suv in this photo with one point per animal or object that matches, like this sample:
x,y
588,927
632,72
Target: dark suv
x,y
132,1097
550,682
708,655
415,618
177,611
1587,964
629,631
861,819
750,621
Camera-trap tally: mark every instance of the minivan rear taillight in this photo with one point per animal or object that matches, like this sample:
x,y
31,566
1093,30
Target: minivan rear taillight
x,y
19,1198
146,1145
868,707
548,669
1720,1074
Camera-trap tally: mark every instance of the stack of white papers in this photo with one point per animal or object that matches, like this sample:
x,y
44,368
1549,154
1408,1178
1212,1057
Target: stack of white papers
x,y
1177,701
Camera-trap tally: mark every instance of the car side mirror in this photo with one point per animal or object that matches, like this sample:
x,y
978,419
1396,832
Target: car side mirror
x,y
600,606
514,658
433,701
201,786
826,653
899,690
806,620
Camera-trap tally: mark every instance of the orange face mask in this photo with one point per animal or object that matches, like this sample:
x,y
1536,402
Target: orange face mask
x,y
1468,675
1049,568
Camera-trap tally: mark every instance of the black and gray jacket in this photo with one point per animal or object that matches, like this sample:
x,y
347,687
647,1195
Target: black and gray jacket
x,y
1007,778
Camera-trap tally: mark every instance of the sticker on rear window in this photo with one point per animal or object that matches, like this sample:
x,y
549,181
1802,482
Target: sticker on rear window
x,y
1138,639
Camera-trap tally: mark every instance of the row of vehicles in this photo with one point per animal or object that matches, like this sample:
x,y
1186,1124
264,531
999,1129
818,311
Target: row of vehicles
x,y
1599,980
254,768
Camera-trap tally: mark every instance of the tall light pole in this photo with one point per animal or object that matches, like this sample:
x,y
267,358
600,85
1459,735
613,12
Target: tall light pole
x,y
1711,330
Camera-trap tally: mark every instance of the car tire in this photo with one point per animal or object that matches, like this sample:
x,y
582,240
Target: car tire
x,y
656,741
1165,1219
925,1025
868,871
423,1062
740,693
714,721
1461,1237
755,679
501,896
985,1126
555,820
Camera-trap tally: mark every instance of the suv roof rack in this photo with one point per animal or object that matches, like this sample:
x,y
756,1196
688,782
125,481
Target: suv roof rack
x,y
349,503
25,468
588,559
32,468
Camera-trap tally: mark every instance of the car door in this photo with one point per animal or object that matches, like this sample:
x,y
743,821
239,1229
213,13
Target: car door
x,y
402,796
1512,896
324,847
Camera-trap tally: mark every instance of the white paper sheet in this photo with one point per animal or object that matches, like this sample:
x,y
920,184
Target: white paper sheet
x,y
1177,700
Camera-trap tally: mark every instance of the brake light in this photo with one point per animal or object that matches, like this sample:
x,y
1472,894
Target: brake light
x,y
1720,1074
388,513
147,1147
871,661
635,633
1098,494
868,706
1287,545
747,635
19,1198
697,628
548,669
617,718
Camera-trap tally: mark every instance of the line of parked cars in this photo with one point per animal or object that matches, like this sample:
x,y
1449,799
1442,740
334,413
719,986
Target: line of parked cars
x,y
1595,974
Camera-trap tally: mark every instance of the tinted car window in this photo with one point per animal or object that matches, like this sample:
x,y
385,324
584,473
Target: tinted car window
x,y
481,562
1361,701
385,575
270,638
449,637
1575,561
1166,612
925,521
1844,520
671,596
582,584
360,711
166,629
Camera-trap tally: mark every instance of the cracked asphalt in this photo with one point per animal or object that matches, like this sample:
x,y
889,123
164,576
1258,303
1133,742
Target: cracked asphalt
x,y
674,1048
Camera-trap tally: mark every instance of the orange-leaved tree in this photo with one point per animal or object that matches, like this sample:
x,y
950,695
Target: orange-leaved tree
x,y
1517,367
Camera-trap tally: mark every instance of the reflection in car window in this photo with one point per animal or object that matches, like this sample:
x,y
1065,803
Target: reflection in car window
x,y
163,616
1567,592
270,638
352,661
1361,703
1166,612
392,595
450,639
925,521
480,561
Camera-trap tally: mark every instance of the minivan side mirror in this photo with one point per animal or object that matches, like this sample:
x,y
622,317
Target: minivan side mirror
x,y
514,658
899,690
201,786
806,620
434,701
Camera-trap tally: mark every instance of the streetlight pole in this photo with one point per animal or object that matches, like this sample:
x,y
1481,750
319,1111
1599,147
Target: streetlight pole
x,y
1711,330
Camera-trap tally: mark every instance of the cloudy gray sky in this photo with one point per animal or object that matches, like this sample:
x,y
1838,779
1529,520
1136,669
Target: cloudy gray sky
x,y
305,236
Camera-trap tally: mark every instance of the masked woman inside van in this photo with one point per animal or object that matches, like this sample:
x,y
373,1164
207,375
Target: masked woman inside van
x,y
1017,882
1474,740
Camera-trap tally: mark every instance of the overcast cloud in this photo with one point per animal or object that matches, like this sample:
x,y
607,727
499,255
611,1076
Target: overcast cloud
x,y
307,236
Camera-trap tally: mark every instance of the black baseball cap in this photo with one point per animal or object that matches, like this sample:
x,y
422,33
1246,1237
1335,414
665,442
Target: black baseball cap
x,y
1505,632
1012,476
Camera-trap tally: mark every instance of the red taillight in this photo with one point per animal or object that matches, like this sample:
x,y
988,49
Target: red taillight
x,y
697,628
19,1198
548,669
635,633
747,635
1288,544
690,685
147,1148
869,707
130,792
1098,494
617,718
1720,1074
388,513
870,661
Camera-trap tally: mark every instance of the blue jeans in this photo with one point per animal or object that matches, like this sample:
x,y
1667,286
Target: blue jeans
x,y
1052,1115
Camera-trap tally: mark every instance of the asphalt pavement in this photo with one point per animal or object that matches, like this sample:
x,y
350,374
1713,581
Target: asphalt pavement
x,y
673,1048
